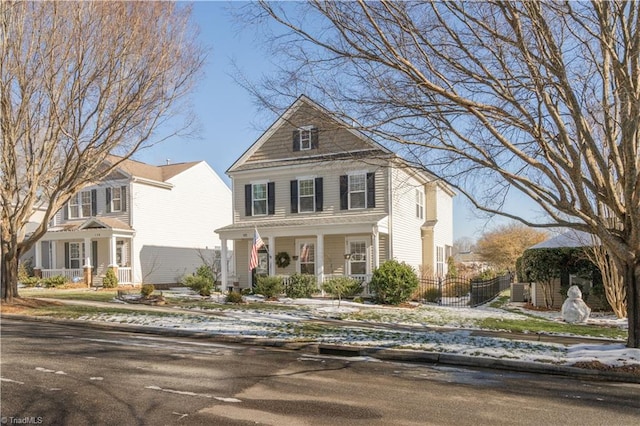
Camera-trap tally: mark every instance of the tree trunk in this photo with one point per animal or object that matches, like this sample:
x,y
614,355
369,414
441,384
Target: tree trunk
x,y
631,274
9,277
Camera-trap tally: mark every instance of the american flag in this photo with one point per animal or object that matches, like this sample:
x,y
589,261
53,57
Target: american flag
x,y
304,253
257,245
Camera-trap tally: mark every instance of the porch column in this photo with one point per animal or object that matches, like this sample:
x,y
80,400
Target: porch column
x,y
272,255
37,268
87,275
112,251
320,259
375,241
224,271
53,250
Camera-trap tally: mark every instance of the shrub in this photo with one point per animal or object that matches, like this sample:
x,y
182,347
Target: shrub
x,y
300,285
234,297
203,282
55,281
147,290
393,282
342,287
201,285
431,295
456,288
30,281
269,286
110,280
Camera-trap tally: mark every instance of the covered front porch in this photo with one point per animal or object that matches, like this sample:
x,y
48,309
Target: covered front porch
x,y
83,251
350,245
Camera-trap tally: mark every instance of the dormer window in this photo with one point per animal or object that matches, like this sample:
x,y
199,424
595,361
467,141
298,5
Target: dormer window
x,y
305,138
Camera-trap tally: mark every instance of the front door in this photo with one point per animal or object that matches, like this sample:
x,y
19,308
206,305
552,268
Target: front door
x,y
263,265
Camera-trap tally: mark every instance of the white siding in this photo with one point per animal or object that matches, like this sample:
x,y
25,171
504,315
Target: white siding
x,y
443,231
183,216
406,235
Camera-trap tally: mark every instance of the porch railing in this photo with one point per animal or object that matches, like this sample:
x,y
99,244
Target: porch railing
x,y
72,275
124,275
363,278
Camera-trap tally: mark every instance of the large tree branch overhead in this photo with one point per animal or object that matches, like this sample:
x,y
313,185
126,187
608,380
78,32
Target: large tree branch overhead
x,y
540,98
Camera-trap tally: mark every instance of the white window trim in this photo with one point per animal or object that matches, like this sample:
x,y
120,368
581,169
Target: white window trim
x,y
367,248
349,192
419,203
300,242
266,199
313,195
76,201
113,209
305,130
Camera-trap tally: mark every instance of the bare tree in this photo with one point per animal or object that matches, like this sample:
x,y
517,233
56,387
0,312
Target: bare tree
x,y
503,245
540,99
80,81
612,281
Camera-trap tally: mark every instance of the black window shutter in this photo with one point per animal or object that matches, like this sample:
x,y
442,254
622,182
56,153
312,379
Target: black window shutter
x,y
94,202
296,140
108,195
123,199
65,211
319,198
294,196
271,198
247,200
371,190
344,192
94,257
314,138
66,255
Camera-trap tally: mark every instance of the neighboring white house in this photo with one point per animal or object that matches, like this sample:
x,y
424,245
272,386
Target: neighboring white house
x,y
152,224
333,202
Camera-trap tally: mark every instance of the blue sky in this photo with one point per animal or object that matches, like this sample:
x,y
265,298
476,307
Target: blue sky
x,y
229,121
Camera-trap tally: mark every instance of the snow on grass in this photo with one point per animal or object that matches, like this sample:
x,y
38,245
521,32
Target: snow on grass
x,y
372,326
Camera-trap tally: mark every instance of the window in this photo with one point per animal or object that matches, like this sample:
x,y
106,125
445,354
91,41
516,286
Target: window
x,y
419,203
307,258
357,191
305,138
357,257
259,199
80,205
440,261
75,256
116,200
306,195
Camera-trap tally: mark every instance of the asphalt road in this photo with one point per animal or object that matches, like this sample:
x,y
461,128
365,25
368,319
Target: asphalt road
x,y
64,375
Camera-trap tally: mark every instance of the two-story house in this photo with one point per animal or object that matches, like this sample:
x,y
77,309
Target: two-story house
x,y
326,200
151,224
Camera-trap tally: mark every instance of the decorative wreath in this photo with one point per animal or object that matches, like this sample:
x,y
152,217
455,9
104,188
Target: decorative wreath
x,y
283,259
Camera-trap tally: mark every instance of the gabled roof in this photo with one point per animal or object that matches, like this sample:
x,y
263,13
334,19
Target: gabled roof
x,y
133,168
303,100
92,223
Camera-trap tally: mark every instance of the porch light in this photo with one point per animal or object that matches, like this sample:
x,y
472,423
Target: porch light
x,y
347,256
295,257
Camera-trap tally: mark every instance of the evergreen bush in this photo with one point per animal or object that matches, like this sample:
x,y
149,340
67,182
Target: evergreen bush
x,y
269,286
147,290
341,287
300,285
234,297
393,282
110,279
55,281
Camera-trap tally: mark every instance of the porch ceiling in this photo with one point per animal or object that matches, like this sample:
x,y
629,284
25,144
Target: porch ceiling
x,y
345,224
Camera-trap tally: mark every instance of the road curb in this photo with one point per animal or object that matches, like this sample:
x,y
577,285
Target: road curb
x,y
384,354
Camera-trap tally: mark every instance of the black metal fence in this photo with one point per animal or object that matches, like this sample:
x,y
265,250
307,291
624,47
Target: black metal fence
x,y
460,291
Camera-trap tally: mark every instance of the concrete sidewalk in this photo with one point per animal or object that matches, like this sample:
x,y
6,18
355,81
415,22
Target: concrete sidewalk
x,y
400,355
